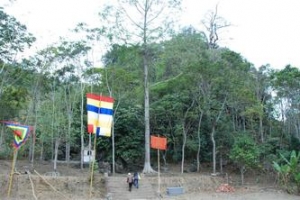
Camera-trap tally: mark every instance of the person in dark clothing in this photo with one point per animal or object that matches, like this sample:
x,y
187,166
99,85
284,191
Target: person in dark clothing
x,y
136,178
129,181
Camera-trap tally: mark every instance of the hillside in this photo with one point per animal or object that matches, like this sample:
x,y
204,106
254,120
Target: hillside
x,y
72,183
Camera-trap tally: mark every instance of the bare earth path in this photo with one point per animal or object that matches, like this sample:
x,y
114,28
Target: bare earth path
x,y
269,195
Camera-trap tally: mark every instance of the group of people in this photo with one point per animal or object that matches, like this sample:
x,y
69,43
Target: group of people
x,y
133,180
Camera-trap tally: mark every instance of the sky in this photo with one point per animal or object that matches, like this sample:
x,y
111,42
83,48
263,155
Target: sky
x,y
262,31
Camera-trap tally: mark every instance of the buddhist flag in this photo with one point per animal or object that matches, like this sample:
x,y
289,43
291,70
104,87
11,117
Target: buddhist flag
x,y
99,114
20,132
158,143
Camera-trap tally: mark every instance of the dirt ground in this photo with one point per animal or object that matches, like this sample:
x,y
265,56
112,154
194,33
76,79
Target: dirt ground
x,y
70,182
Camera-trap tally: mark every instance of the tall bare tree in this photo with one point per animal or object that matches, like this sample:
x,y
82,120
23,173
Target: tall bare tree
x,y
213,24
143,22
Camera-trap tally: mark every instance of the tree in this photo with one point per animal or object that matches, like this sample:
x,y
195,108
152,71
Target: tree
x,y
244,153
213,23
289,171
120,75
14,38
144,21
286,85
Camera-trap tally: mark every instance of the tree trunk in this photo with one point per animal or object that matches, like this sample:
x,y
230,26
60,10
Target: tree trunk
x,y
147,166
184,132
42,151
68,141
81,128
221,163
56,153
1,137
261,130
30,150
69,114
33,147
242,170
234,122
212,137
199,141
183,147
68,151
34,135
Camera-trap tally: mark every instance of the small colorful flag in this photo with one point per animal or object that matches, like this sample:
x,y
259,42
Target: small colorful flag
x,y
100,114
20,132
158,142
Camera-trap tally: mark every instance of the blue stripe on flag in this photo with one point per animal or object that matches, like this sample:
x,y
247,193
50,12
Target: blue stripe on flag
x,y
101,111
92,108
106,111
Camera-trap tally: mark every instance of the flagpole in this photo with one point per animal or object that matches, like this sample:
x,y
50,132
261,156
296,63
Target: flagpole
x,y
158,169
95,143
93,164
12,171
90,151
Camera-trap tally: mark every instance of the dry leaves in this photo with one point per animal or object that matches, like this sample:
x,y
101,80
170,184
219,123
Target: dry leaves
x,y
225,188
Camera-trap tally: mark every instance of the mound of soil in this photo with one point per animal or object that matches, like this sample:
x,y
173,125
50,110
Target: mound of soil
x,y
40,182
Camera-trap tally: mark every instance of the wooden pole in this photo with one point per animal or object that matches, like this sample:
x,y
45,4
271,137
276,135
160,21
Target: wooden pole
x,y
158,169
90,151
12,171
53,188
32,185
93,164
113,147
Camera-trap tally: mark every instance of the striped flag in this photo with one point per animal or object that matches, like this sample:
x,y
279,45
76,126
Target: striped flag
x,y
20,132
99,114
158,142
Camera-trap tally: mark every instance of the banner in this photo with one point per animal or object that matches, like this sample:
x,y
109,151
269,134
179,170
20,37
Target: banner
x,y
158,142
99,114
20,132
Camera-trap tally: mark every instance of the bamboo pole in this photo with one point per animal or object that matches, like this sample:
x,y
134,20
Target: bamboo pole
x,y
158,170
12,171
92,171
53,188
90,151
32,185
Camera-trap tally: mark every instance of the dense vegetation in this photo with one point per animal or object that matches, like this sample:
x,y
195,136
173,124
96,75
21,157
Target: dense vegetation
x,y
211,104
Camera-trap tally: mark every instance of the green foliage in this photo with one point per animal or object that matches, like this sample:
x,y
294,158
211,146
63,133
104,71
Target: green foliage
x,y
46,90
289,171
14,37
6,150
244,151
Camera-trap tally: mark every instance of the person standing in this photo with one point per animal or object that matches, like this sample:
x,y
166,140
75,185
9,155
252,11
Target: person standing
x,y
129,181
136,178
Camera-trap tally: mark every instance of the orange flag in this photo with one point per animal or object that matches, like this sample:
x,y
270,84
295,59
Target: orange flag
x,y
158,143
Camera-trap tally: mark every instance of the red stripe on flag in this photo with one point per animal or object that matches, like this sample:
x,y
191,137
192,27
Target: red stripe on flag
x,y
99,98
158,143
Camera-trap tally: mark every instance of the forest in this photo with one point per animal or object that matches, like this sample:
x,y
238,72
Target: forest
x,y
212,105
